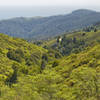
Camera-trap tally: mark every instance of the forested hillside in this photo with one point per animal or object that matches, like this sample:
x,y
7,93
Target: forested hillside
x,y
64,68
46,27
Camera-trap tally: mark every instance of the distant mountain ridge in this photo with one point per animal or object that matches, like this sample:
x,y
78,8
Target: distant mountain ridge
x,y
44,27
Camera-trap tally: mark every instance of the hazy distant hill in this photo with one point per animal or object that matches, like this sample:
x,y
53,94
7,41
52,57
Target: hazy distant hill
x,y
44,27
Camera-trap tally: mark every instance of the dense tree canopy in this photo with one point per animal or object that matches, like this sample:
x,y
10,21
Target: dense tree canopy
x,y
66,70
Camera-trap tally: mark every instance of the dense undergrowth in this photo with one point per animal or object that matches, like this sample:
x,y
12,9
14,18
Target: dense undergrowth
x,y
63,70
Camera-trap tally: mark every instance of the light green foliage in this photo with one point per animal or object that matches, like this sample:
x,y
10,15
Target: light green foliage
x,y
17,51
46,74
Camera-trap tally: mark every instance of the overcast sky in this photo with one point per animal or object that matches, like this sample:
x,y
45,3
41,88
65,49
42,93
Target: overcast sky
x,y
30,8
48,2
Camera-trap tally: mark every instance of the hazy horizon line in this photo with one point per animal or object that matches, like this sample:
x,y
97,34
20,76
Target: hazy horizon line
x,y
28,12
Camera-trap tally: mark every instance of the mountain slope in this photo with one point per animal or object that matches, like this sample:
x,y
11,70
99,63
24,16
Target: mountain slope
x,y
18,54
73,42
45,27
73,77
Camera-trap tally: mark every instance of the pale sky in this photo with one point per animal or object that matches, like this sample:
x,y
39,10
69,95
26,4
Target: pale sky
x,y
48,2
31,8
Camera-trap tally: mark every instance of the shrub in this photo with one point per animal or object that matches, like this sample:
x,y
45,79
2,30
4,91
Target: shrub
x,y
16,55
43,64
55,63
45,57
